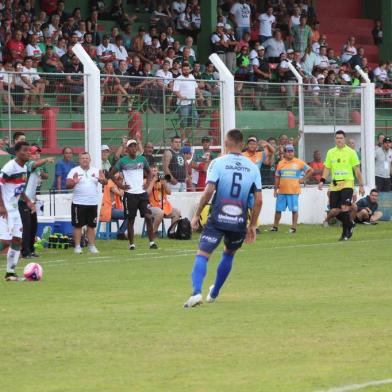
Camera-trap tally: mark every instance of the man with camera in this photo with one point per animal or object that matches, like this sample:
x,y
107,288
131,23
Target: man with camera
x,y
134,167
159,204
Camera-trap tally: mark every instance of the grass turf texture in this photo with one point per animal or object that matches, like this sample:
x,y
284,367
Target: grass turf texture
x,y
300,312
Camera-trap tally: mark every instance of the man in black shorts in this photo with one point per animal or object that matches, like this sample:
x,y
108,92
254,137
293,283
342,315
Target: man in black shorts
x,y
342,163
84,179
134,167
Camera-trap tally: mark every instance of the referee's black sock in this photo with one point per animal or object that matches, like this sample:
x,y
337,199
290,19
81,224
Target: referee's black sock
x,y
345,219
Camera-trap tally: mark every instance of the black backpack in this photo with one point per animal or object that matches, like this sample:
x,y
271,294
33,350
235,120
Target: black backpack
x,y
180,230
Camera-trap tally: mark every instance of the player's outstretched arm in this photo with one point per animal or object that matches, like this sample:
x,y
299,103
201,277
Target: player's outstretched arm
x,y
204,199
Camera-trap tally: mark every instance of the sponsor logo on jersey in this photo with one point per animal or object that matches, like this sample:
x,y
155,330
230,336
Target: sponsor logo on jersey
x,y
232,210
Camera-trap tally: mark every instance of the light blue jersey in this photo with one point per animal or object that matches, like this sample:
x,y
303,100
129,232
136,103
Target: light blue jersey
x,y
235,178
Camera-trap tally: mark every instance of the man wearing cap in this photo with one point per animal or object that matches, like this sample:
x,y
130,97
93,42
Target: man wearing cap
x,y
84,179
287,186
105,153
105,51
35,174
267,23
383,168
262,74
220,42
259,157
342,163
134,167
232,44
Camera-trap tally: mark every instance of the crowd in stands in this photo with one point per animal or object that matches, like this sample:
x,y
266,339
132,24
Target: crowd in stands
x,y
256,44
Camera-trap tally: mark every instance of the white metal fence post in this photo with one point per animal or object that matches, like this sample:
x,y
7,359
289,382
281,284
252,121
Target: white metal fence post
x,y
227,96
92,106
301,111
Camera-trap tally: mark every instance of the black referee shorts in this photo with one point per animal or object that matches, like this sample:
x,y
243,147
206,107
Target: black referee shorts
x,y
84,215
337,199
133,203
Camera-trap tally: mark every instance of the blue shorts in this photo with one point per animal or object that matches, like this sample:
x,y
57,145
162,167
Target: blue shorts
x,y
211,237
287,201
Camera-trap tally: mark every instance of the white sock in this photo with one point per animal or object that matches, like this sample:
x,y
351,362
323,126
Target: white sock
x,y
12,259
152,243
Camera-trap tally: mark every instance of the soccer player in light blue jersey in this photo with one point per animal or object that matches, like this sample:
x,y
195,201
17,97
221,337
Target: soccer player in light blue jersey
x,y
230,180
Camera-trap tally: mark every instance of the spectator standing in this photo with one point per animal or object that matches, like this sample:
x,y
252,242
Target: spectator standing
x,y
318,166
240,15
232,44
173,163
274,47
267,23
220,42
134,167
287,186
185,88
35,174
367,209
377,33
160,206
262,74
302,35
84,180
383,168
62,168
259,158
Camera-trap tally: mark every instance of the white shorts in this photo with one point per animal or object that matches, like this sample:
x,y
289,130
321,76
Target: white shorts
x,y
11,227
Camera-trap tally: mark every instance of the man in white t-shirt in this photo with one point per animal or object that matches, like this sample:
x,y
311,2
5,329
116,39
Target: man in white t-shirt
x,y
240,14
185,89
380,75
84,180
274,47
267,23
33,50
12,184
322,61
120,52
106,50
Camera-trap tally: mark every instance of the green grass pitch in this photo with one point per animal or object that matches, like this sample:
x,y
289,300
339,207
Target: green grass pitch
x,y
299,313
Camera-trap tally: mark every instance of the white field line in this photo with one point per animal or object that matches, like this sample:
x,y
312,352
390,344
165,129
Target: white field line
x,y
180,253
357,387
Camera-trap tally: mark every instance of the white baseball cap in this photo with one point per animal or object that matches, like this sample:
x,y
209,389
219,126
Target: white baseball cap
x,y
220,25
131,141
104,147
228,27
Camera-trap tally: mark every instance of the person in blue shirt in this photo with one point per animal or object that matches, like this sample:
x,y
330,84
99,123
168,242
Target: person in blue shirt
x,y
230,180
63,167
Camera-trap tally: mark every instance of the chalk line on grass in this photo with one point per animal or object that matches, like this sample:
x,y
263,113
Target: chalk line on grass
x,y
357,387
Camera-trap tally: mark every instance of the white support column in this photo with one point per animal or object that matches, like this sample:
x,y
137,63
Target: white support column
x,y
227,114
369,125
368,120
92,106
301,111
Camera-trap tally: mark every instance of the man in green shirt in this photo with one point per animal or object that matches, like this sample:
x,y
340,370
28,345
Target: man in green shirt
x,y
301,34
134,166
342,163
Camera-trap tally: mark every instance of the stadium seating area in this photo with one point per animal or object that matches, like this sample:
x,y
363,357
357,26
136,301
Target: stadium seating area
x,y
131,40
